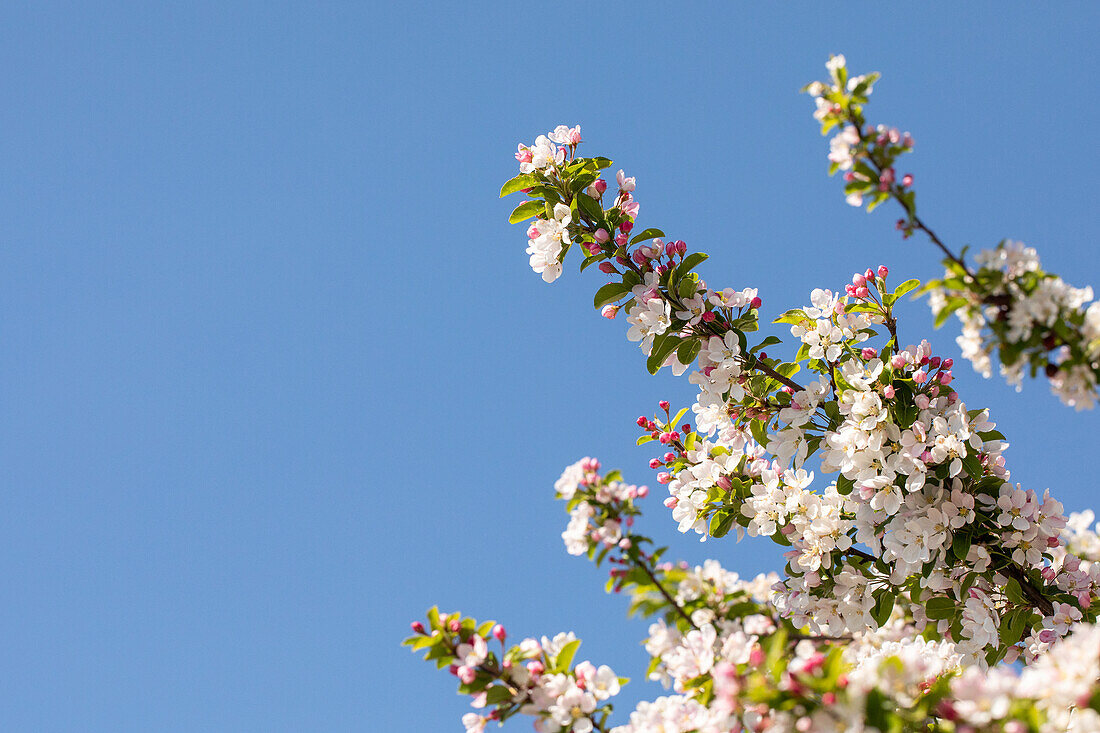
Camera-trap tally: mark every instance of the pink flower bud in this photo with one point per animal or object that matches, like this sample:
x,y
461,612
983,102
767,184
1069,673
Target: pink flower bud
x,y
655,463
897,361
756,656
643,492
417,627
723,482
535,667
609,311
621,240
639,257
592,248
922,402
624,544
907,180
883,271
888,392
664,405
499,633
708,317
868,353
642,420
920,376
467,674
663,477
671,502
870,274
858,281
948,363
626,226
600,185
862,292
755,303
945,378
607,268
934,362
456,625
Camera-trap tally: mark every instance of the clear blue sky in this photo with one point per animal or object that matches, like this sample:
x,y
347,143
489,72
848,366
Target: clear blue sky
x,y
275,375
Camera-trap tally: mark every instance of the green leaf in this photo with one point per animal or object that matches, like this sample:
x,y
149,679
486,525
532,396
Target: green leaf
x,y
793,317
960,545
907,286
972,465
844,485
759,432
940,607
565,656
720,523
663,345
609,294
647,234
520,182
769,341
1014,592
600,163
688,350
525,211
690,262
884,606
590,207
497,694
950,306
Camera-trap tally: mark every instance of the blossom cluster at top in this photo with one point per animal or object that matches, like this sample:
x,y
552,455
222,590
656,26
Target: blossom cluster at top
x,y
1007,304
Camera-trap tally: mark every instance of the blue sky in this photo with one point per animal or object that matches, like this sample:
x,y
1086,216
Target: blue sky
x,y
276,375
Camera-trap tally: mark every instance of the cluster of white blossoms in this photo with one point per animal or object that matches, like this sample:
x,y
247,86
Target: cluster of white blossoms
x,y
566,702
546,153
529,679
600,507
545,240
922,486
1035,319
